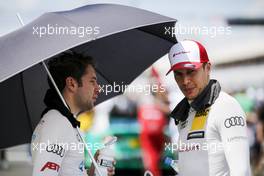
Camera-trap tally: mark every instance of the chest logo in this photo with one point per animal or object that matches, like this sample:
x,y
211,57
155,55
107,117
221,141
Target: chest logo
x,y
198,125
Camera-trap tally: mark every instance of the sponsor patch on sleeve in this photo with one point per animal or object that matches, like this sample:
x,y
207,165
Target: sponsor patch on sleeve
x,y
50,166
237,121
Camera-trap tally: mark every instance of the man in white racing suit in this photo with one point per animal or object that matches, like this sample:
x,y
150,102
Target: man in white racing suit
x,y
212,126
57,149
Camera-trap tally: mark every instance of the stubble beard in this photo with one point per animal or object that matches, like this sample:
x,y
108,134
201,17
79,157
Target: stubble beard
x,y
84,105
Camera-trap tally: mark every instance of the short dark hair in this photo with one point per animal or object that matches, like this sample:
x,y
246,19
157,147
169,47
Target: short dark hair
x,y
68,64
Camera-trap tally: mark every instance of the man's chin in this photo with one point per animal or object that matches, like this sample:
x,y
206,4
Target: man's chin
x,y
89,107
190,97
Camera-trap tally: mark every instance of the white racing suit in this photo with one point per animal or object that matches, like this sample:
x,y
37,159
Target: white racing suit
x,y
57,149
214,142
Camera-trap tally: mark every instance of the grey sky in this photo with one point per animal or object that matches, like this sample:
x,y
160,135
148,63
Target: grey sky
x,y
188,11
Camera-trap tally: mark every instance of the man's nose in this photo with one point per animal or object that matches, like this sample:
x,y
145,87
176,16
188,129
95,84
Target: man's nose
x,y
97,89
185,80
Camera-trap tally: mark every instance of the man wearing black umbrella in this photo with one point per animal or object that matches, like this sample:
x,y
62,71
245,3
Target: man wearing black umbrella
x,y
212,127
57,148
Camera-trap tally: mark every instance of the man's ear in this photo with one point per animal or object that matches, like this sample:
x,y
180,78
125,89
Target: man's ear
x,y
208,67
71,84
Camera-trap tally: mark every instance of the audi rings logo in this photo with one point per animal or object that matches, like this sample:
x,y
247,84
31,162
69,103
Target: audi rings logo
x,y
56,149
234,121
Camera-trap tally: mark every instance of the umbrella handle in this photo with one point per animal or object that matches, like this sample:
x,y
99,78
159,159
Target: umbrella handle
x,y
90,153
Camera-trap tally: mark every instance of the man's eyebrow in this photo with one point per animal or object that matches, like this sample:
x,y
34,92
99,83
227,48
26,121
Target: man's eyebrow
x,y
191,70
176,72
94,78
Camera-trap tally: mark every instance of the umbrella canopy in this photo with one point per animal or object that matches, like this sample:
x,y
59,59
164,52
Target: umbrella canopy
x,y
123,40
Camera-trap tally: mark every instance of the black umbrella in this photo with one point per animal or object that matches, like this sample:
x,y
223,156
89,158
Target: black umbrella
x,y
128,42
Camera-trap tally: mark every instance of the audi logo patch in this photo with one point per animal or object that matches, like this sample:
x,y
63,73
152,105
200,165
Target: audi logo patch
x,y
56,149
234,121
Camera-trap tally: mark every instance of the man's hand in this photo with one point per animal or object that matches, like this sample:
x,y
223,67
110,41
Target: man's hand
x,y
110,170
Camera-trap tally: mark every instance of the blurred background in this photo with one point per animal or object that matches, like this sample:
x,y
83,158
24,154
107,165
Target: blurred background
x,y
231,31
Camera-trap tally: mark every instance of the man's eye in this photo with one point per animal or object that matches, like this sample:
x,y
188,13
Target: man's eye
x,y
190,72
177,74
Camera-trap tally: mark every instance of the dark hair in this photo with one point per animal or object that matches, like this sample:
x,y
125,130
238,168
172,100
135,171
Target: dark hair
x,y
68,64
